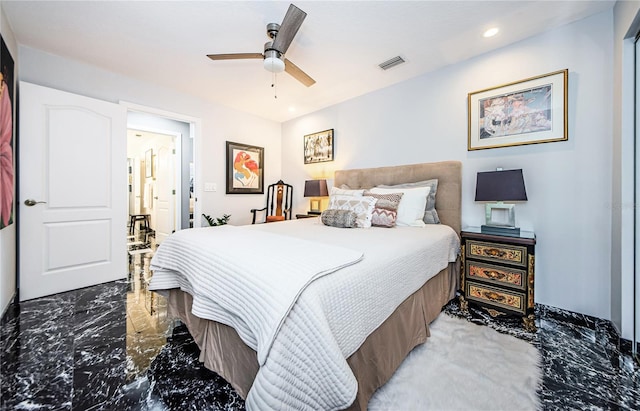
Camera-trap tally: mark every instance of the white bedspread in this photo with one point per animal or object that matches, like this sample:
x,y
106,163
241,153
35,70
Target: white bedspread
x,y
244,279
306,367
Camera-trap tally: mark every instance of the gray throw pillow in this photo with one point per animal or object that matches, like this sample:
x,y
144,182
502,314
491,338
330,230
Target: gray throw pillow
x,y
339,218
430,213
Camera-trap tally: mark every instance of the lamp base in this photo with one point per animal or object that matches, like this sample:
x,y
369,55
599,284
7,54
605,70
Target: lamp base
x,y
314,206
499,230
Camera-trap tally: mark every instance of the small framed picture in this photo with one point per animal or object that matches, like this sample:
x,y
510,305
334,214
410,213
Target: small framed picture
x,y
524,112
148,163
318,147
245,169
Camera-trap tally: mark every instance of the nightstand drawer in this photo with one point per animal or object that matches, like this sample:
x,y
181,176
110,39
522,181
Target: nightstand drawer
x,y
501,275
504,253
497,297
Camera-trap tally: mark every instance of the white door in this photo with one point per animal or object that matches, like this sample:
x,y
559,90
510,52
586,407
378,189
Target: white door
x,y
72,166
165,193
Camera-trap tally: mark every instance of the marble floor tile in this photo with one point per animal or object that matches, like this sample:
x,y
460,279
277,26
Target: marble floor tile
x,y
583,368
107,348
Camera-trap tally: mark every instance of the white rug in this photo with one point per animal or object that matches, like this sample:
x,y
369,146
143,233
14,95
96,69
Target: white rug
x,y
464,366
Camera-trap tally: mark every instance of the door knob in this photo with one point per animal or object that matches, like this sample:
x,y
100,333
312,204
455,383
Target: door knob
x,y
30,203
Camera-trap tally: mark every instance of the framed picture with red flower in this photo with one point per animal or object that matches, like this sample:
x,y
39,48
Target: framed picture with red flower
x,y
7,108
245,169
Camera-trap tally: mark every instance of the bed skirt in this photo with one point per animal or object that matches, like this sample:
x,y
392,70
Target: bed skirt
x,y
222,350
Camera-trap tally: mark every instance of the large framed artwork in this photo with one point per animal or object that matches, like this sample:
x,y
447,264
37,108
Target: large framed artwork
x,y
7,109
529,111
318,147
245,169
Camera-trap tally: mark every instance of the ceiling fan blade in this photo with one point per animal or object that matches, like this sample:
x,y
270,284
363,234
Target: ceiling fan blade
x,y
298,74
235,56
288,29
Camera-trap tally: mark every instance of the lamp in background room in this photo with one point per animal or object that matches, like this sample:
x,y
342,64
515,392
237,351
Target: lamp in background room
x,y
497,187
315,189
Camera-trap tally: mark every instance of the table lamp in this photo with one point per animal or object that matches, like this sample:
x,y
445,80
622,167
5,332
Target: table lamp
x,y
315,189
497,187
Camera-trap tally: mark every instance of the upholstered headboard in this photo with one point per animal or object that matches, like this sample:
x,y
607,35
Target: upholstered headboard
x,y
448,173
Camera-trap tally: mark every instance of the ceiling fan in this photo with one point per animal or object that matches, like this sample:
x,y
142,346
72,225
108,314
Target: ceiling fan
x,y
281,35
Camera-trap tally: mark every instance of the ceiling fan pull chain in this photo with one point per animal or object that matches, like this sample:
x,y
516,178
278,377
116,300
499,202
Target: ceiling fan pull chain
x,y
274,84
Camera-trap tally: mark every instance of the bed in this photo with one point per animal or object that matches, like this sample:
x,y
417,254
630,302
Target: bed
x,y
371,348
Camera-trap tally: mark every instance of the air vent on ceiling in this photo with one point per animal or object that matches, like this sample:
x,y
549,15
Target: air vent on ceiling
x,y
392,62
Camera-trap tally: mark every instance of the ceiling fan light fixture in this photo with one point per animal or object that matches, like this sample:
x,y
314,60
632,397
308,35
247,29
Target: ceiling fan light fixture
x,y
272,59
273,64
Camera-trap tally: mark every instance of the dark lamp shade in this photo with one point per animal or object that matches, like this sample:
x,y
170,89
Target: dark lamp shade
x,y
315,188
507,185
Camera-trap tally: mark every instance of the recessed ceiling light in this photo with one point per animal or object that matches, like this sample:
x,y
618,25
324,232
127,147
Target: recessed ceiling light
x,y
491,32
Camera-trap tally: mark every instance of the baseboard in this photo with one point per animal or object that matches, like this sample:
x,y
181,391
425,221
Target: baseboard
x,y
11,306
627,345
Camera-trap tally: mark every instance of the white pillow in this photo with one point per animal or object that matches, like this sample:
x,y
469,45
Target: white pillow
x,y
346,192
412,204
362,206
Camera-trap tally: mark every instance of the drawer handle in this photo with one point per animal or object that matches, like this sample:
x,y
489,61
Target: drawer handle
x,y
495,275
490,295
494,252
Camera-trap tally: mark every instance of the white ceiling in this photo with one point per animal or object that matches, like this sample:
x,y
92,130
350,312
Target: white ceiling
x,y
340,44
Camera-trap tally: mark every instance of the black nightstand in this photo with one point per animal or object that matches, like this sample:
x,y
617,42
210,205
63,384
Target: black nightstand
x,y
497,273
306,215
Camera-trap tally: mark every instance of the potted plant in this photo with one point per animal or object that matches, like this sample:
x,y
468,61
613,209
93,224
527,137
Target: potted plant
x,y
217,221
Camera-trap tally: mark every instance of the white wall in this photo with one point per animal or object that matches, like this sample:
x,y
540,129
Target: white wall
x,y
8,234
568,183
219,123
622,270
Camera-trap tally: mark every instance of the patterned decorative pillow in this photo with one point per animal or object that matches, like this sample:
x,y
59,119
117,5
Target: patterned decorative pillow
x,y
385,213
339,218
412,205
362,206
430,213
342,191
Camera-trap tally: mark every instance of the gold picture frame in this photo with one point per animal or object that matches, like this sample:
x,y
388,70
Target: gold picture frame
x,y
529,111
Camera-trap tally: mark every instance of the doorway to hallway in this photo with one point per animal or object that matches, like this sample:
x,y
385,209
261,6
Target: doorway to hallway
x,y
154,183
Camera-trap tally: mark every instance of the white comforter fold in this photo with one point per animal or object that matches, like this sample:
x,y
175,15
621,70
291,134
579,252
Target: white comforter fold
x,y
246,279
305,367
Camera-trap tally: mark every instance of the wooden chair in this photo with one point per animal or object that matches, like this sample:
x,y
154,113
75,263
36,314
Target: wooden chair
x,y
279,203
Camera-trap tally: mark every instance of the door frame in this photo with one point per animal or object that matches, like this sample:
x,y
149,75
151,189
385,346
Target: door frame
x,y
630,176
195,129
636,197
